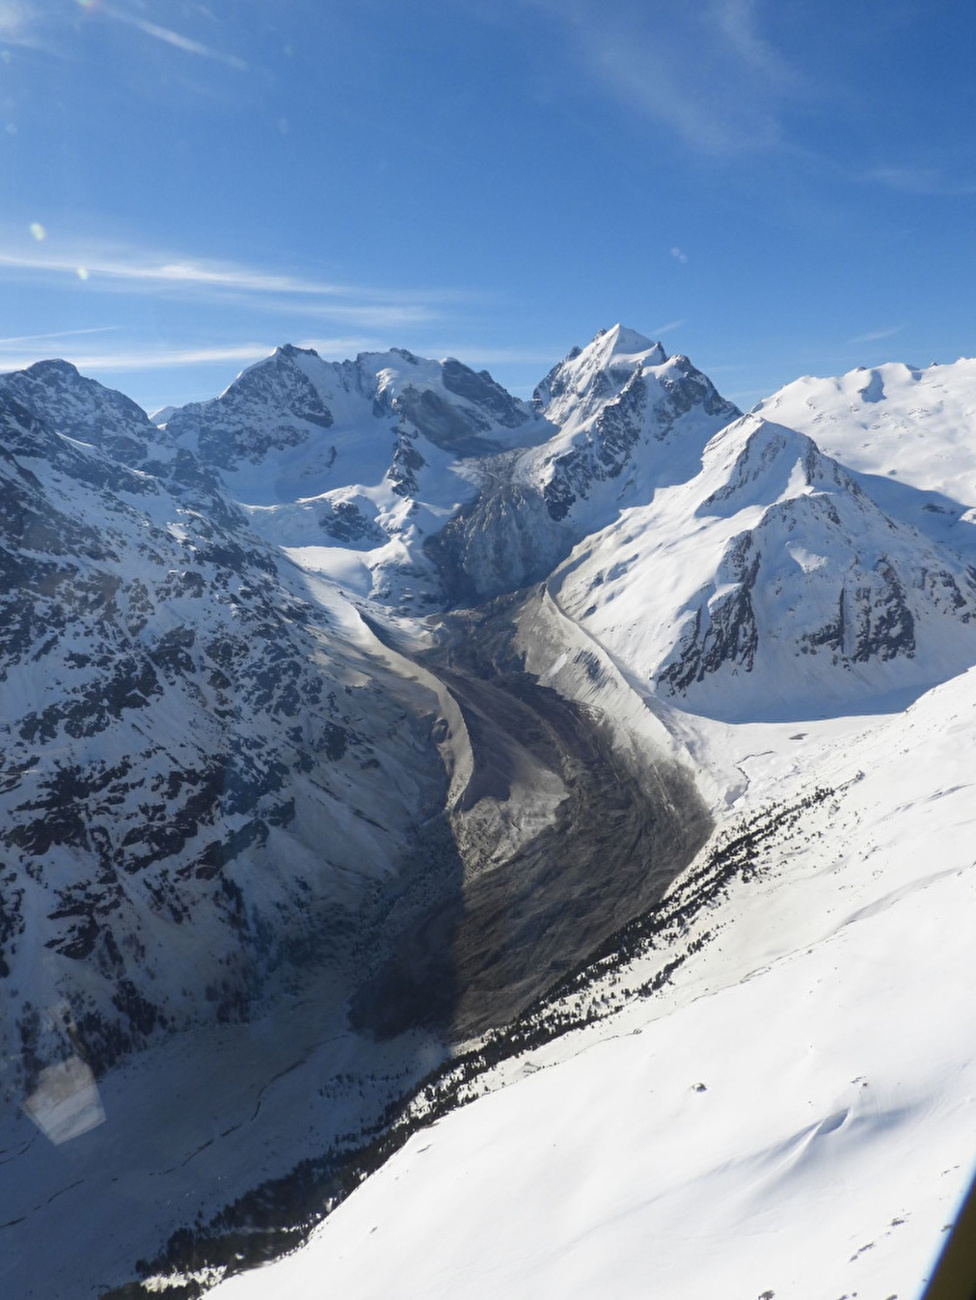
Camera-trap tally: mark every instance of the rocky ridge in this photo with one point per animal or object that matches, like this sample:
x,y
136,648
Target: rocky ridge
x,y
181,721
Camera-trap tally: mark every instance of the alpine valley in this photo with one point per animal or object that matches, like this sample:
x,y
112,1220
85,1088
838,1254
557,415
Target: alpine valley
x,y
483,848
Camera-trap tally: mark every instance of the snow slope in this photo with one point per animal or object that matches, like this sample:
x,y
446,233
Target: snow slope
x,y
771,584
790,1115
903,427
917,425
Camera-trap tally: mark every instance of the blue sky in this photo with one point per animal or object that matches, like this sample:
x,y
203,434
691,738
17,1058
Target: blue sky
x,y
772,188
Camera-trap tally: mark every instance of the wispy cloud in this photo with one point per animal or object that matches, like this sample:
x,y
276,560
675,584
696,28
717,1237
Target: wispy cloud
x,y
15,354
168,358
919,180
338,349
745,398
141,357
169,37
738,22
183,272
136,358
41,24
18,339
378,316
872,336
666,329
705,72
476,355
367,307
19,23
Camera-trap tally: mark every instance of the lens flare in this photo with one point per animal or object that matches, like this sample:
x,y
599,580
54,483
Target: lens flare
x,y
37,231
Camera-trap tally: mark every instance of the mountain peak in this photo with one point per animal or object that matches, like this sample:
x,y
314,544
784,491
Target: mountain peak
x,y
619,340
55,368
289,350
82,408
590,377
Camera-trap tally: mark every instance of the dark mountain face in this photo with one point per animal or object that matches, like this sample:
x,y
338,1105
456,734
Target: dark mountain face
x,y
269,406
190,746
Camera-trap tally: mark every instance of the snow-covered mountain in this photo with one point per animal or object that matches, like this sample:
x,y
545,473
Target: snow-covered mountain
x,y
203,766
368,457
627,419
372,738
915,425
778,587
897,427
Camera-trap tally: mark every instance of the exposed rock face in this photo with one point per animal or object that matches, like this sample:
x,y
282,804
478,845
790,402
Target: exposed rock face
x,y
724,632
85,410
484,393
504,540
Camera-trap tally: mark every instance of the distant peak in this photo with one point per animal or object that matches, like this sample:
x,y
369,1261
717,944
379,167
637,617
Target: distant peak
x,y
621,341
610,348
628,340
52,368
289,350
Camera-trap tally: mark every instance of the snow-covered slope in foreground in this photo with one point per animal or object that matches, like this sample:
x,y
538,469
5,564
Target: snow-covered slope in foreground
x,y
790,1116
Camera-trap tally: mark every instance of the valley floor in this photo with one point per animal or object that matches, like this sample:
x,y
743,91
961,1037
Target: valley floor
x,y
790,1116
190,1125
